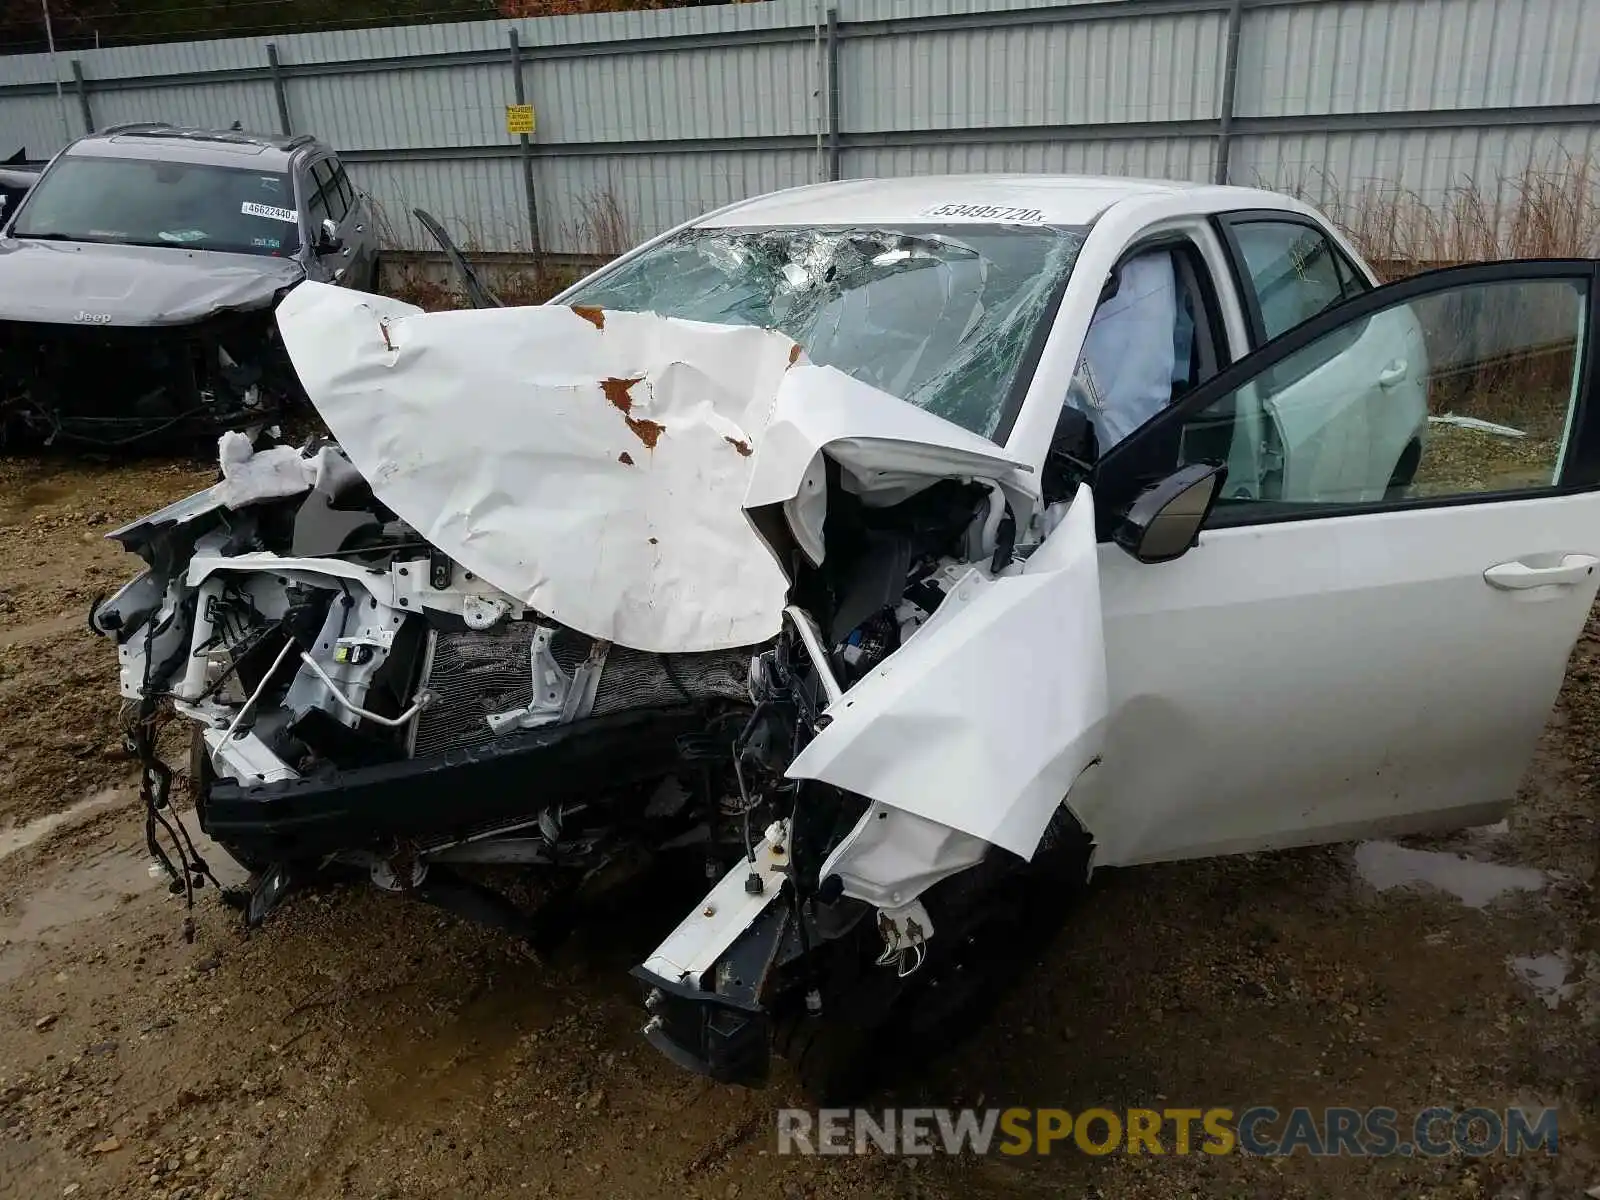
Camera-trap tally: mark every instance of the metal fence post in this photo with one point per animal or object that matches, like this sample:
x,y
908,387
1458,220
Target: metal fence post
x,y
83,96
1230,85
280,93
833,94
519,89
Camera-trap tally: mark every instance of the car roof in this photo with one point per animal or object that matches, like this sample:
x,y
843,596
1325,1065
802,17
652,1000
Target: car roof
x,y
170,143
1058,199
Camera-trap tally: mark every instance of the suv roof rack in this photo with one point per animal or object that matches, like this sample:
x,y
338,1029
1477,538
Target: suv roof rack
x,y
130,126
236,136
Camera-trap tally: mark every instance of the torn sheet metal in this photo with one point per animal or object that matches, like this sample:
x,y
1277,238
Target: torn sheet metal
x,y
887,450
590,464
986,716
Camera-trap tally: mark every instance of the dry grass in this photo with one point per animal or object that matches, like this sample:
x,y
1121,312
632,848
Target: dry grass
x,y
1551,210
417,285
599,232
1548,211
601,228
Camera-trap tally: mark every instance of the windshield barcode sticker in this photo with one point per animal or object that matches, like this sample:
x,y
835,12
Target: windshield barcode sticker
x,y
987,212
287,215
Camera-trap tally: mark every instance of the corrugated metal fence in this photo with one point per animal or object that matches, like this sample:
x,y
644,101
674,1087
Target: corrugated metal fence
x,y
674,112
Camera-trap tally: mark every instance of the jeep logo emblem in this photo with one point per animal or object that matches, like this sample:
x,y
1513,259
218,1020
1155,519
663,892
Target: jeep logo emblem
x,y
90,318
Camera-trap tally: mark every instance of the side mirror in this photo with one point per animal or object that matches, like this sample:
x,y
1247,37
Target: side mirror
x,y
1165,519
328,241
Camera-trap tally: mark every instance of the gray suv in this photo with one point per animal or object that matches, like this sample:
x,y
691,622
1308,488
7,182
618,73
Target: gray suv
x,y
139,275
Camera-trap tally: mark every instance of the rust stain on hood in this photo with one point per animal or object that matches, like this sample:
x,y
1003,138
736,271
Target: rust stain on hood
x,y
595,316
741,446
647,431
620,393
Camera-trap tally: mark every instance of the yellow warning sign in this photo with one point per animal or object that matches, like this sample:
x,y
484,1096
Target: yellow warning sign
x,y
519,118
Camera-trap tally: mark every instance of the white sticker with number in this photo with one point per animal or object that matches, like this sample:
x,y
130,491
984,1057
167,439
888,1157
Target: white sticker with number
x,y
287,215
986,212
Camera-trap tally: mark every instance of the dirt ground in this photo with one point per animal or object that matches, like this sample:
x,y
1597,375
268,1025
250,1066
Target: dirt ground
x,y
362,1046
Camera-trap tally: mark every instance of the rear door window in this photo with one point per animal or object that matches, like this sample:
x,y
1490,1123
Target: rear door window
x,y
317,212
327,189
342,182
1290,272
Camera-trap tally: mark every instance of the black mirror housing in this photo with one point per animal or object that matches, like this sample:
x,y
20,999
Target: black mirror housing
x,y
1165,519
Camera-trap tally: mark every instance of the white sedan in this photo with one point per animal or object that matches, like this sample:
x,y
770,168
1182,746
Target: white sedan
x,y
906,549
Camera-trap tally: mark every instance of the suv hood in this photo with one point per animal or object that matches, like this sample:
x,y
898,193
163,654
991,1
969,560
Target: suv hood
x,y
100,284
597,465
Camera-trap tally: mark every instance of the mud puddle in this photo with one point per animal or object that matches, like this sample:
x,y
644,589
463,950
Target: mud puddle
x,y
1477,884
22,836
1546,975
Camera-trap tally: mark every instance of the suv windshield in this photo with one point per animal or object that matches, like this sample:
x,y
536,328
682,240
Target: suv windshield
x,y
142,202
947,318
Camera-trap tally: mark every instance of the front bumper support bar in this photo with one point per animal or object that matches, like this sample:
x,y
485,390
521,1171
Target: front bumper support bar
x,y
448,796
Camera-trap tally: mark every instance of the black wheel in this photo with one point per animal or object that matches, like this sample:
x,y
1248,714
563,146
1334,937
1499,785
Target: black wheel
x,y
990,924
1405,470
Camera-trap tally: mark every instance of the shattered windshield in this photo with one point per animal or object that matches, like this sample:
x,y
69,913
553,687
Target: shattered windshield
x,y
141,202
946,318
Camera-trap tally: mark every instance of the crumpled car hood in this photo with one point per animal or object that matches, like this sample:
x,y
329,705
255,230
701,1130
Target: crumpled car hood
x,y
593,473
103,284
596,464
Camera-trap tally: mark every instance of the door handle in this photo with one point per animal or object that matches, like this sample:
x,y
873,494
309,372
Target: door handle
x,y
1392,374
1519,576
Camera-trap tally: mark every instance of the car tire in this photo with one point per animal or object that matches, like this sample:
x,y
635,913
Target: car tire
x,y
990,924
1405,471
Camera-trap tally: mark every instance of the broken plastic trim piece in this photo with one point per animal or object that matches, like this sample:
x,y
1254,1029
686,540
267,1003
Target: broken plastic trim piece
x,y
891,857
811,638
266,891
1477,425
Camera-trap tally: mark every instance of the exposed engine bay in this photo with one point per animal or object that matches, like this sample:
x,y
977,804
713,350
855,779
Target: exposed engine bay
x,y
364,699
